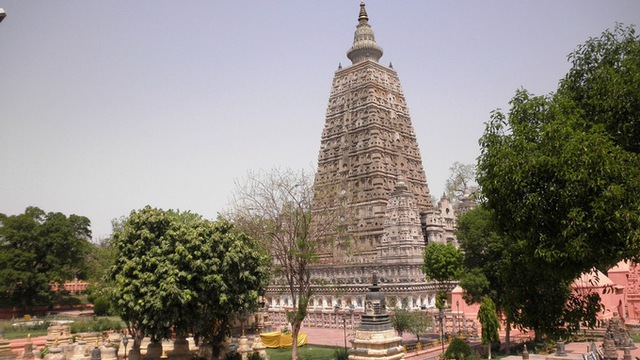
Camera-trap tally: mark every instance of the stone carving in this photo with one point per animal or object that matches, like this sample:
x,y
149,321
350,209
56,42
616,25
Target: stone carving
x,y
617,331
371,177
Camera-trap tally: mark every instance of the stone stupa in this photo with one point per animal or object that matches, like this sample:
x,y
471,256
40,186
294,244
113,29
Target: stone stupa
x,y
376,338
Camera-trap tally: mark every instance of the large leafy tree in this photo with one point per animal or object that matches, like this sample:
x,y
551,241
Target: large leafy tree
x,y
275,207
442,263
563,171
500,269
178,272
38,250
561,174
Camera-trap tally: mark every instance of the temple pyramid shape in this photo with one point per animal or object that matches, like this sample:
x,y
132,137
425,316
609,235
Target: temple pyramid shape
x,y
371,184
367,145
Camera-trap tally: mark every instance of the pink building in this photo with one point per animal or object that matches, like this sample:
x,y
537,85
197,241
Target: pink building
x,y
74,287
619,292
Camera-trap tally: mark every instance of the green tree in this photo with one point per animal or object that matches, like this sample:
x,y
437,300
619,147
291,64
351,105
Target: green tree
x,y
38,249
561,174
275,207
461,181
603,83
489,322
442,263
401,321
458,349
419,324
414,322
487,263
177,271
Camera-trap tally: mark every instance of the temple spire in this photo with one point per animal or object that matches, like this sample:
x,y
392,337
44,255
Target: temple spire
x,y
364,43
363,13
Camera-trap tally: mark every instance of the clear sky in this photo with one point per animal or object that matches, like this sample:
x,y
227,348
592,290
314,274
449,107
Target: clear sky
x,y
107,106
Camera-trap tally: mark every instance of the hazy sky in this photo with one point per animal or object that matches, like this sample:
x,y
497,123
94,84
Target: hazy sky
x,y
107,106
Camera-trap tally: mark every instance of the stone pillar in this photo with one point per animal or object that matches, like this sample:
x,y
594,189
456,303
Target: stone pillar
x,y
27,353
154,351
243,347
68,348
80,352
560,349
180,349
55,353
609,347
525,353
260,348
108,352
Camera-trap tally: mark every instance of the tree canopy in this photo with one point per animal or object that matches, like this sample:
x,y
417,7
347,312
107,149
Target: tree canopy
x,y
461,181
560,176
562,172
38,249
442,262
414,322
178,272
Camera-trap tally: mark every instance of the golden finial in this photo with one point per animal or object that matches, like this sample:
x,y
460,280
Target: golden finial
x,y
29,337
363,13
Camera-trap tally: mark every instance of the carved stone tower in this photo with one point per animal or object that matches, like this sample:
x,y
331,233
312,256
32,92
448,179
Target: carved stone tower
x,y
368,142
369,179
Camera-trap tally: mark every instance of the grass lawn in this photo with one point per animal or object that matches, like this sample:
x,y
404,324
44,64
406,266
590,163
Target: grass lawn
x,y
22,334
11,332
307,352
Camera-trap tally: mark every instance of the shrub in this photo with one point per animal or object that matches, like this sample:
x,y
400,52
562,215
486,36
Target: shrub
x,y
98,325
459,350
101,306
341,354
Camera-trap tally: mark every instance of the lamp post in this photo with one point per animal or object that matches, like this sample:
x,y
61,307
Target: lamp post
x,y
243,317
441,317
458,315
125,341
353,325
344,328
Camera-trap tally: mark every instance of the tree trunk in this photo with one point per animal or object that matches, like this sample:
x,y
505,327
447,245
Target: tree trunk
x,y
489,349
537,335
507,337
295,330
134,353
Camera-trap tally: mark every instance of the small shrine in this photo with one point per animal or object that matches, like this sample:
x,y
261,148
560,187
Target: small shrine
x,y
376,338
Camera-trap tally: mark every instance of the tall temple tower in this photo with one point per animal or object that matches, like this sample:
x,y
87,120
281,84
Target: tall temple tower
x,y
371,179
367,144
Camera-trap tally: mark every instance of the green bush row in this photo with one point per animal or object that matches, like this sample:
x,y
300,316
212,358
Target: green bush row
x,y
99,325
